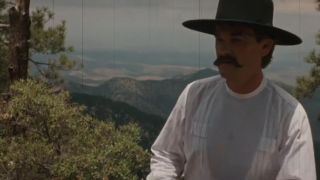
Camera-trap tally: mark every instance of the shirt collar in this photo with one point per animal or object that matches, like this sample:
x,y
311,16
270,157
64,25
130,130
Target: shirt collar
x,y
248,95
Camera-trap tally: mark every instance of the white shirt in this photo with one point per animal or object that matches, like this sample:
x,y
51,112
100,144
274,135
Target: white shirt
x,y
214,133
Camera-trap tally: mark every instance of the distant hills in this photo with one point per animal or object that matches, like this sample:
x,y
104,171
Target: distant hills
x,y
151,96
124,100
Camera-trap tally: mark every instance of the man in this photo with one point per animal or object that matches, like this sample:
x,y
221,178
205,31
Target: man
x,y
237,126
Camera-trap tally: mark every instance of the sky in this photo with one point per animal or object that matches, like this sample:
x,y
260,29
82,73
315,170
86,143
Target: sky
x,y
144,39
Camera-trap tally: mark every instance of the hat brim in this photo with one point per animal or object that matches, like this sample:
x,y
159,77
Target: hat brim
x,y
281,37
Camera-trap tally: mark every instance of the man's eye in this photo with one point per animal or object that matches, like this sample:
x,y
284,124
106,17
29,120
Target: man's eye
x,y
237,39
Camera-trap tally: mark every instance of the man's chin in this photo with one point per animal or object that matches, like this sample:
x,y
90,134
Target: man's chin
x,y
226,69
227,75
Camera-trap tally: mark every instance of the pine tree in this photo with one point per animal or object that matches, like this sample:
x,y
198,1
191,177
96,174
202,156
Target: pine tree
x,y
44,39
45,136
4,48
307,85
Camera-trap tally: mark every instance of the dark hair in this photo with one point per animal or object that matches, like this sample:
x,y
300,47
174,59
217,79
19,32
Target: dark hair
x,y
260,35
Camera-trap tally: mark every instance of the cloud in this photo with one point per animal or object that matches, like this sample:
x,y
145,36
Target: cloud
x,y
185,6
146,30
134,25
295,6
117,3
191,6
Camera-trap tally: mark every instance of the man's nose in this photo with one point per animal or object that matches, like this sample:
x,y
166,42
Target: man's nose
x,y
223,49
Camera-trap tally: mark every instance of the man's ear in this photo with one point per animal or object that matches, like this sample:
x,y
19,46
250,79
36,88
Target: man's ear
x,y
267,46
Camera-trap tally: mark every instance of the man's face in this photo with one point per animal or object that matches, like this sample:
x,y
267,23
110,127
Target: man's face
x,y
239,54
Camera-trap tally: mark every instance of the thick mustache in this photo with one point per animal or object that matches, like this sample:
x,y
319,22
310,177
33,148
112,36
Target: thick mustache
x,y
227,60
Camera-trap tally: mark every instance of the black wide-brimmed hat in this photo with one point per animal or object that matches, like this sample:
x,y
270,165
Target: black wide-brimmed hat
x,y
255,13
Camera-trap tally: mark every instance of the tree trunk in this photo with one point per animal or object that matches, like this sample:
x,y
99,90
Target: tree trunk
x,y
19,21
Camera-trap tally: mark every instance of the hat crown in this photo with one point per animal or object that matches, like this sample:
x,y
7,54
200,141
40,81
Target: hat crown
x,y
251,11
254,13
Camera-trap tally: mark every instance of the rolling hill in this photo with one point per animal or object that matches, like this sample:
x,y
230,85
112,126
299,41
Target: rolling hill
x,y
121,113
151,96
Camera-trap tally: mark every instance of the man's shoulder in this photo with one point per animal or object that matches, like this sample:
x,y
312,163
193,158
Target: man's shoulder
x,y
209,81
281,95
204,86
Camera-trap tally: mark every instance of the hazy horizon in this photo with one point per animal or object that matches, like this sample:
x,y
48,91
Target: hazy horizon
x,y
145,39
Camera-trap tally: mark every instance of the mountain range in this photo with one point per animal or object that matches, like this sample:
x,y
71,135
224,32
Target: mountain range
x,y
151,96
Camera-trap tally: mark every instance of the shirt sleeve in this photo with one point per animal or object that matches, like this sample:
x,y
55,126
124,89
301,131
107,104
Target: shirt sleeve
x,y
297,154
168,159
